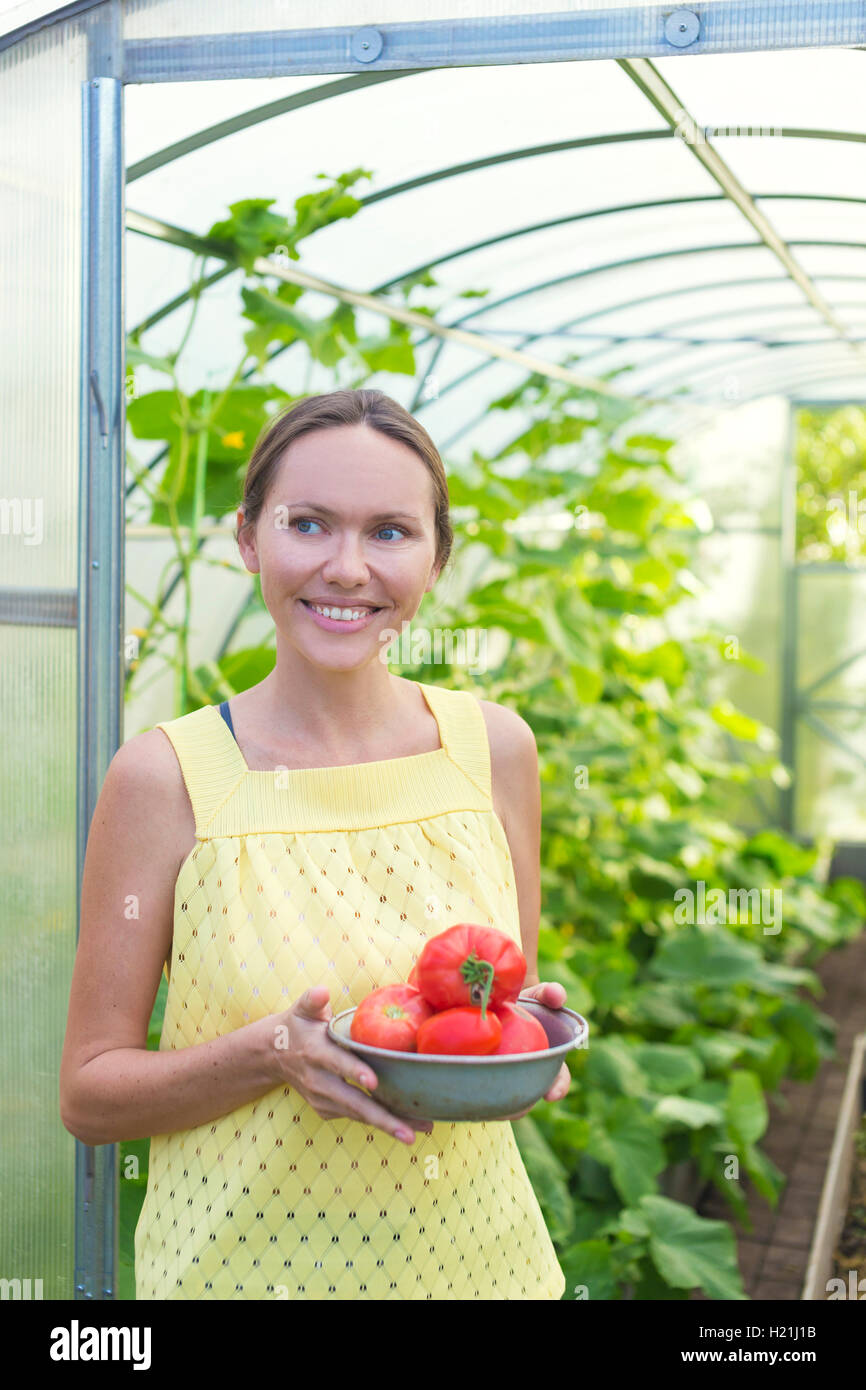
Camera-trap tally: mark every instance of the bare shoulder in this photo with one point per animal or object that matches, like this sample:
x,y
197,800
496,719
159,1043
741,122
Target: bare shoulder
x,y
508,733
513,762
148,758
145,778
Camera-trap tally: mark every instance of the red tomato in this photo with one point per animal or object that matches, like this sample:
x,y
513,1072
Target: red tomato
x,y
413,975
390,1017
521,1031
461,1030
470,965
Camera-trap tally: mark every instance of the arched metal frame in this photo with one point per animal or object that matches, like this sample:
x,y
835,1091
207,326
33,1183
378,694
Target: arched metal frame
x,y
632,36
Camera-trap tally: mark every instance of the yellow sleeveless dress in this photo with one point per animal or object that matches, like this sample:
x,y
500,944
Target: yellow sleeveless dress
x,y
333,876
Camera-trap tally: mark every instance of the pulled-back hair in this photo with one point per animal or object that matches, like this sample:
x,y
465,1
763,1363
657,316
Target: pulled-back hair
x,y
333,409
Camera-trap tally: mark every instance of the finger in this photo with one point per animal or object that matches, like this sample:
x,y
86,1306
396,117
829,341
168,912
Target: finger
x,y
554,994
561,1085
368,1112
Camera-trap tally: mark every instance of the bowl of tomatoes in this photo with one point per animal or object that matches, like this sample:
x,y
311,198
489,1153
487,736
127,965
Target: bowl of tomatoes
x,y
458,1040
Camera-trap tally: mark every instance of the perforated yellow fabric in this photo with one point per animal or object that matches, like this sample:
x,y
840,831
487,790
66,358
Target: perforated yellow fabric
x,y
333,876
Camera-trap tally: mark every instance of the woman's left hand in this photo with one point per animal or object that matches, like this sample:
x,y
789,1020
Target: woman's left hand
x,y
554,996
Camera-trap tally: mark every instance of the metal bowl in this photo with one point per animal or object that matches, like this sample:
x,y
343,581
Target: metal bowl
x,y
430,1086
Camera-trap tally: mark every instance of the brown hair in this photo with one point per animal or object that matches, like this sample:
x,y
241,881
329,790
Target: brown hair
x,y
333,409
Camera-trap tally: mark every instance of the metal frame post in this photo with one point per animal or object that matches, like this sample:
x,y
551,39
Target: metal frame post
x,y
100,580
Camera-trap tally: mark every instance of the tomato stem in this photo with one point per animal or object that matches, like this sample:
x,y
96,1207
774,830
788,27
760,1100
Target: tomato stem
x,y
478,974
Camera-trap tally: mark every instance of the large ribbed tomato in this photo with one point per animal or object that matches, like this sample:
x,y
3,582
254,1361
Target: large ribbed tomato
x,y
470,965
390,1017
462,1031
521,1031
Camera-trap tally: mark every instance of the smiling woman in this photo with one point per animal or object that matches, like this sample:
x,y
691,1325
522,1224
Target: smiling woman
x,y
341,817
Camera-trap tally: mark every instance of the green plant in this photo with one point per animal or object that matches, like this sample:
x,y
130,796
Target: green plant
x,y
692,1022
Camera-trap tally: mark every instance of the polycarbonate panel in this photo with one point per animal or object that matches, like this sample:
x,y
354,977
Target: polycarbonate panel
x,y
744,605
814,89
754,372
734,465
835,370
831,784
175,111
818,88
144,19
831,607
37,952
831,765
735,462
40,246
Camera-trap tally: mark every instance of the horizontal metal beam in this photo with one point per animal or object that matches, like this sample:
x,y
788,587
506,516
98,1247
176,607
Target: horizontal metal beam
x,y
39,607
641,31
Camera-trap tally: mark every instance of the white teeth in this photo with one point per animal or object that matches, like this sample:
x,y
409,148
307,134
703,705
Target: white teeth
x,y
345,615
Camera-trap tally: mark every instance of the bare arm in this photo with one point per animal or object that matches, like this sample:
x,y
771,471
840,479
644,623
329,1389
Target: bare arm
x,y
516,790
111,1086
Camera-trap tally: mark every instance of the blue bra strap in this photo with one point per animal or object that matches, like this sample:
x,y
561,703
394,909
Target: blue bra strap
x,y
224,711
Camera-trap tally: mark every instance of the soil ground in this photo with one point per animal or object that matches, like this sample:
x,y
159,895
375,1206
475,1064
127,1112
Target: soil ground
x,y
773,1256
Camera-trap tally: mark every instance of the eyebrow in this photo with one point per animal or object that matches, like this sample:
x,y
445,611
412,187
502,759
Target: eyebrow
x,y
379,516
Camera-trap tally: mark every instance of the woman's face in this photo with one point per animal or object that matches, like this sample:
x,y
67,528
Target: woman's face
x,y
348,523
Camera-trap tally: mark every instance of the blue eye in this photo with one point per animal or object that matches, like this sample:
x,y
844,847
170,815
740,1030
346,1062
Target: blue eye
x,y
310,521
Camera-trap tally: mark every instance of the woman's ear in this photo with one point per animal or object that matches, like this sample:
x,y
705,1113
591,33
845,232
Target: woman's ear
x,y
247,543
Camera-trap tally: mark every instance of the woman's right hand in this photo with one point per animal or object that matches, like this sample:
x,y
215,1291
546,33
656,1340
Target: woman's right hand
x,y
315,1067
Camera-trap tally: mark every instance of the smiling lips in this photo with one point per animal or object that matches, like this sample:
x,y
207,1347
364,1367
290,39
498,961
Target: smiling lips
x,y
334,607
333,623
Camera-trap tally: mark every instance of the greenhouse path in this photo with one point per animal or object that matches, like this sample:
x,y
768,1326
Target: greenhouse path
x,y
773,1256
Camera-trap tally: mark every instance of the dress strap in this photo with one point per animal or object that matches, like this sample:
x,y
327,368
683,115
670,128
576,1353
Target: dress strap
x,y
463,732
210,760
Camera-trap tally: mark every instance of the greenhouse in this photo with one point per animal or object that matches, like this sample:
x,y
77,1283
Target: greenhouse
x,y
611,256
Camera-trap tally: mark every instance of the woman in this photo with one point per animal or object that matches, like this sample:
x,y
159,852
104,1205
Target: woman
x,y
287,853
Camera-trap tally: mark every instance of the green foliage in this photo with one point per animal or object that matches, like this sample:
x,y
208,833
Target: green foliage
x,y
831,484
693,1018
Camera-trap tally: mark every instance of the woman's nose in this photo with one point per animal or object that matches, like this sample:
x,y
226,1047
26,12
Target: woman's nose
x,y
346,563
